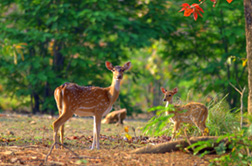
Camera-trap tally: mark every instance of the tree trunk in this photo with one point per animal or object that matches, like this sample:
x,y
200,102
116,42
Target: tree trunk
x,y
35,108
248,29
58,58
47,94
58,64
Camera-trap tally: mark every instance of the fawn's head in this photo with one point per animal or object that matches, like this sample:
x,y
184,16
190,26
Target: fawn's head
x,y
118,70
169,94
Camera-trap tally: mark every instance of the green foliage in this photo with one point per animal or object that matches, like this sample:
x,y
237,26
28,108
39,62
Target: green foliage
x,y
220,119
70,41
157,125
236,151
199,51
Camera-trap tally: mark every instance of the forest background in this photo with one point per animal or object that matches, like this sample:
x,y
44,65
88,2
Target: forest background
x,y
46,43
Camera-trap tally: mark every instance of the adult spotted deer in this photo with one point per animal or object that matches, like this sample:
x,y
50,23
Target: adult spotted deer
x,y
87,101
193,112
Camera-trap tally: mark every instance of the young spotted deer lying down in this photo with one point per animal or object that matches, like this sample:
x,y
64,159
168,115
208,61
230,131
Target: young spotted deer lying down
x,y
193,113
87,101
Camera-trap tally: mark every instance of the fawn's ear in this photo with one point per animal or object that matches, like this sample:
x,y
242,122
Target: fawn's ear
x,y
163,90
109,65
127,66
175,90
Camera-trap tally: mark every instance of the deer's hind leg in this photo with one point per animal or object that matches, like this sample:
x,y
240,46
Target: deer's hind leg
x,y
175,128
59,122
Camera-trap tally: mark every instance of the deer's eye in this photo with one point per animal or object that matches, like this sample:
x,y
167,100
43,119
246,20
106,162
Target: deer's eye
x,y
169,95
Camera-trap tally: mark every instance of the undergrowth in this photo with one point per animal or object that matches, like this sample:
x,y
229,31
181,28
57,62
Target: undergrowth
x,y
221,122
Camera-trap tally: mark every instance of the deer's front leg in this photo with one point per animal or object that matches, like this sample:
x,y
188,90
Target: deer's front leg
x,y
96,133
98,129
175,128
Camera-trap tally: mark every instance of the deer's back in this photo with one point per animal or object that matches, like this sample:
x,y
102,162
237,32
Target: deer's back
x,y
191,111
87,96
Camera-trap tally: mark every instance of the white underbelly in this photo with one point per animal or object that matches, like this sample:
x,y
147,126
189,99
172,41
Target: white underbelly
x,y
83,113
107,111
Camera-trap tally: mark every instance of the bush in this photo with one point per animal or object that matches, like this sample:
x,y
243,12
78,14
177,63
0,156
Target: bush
x,y
220,119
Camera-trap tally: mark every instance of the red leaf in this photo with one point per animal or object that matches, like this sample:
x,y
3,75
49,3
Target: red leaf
x,y
194,8
185,5
198,7
188,12
229,1
195,16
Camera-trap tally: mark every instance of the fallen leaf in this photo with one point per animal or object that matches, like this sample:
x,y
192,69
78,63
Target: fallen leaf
x,y
7,153
13,160
33,122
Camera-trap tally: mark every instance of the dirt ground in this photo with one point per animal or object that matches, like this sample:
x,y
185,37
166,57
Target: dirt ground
x,y
26,140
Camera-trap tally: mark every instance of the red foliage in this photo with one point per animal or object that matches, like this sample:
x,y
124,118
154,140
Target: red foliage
x,y
194,8
229,1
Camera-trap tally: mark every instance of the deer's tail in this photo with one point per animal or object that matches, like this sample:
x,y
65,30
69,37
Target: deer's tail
x,y
58,96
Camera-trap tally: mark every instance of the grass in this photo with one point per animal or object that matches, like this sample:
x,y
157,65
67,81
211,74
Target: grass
x,y
220,119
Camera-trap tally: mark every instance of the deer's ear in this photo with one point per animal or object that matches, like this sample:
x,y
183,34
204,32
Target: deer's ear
x,y
109,65
175,90
127,66
163,90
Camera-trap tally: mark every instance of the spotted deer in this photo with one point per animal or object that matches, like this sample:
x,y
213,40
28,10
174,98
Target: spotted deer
x,y
87,101
193,112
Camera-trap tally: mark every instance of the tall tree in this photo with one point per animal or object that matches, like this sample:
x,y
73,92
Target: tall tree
x,y
248,29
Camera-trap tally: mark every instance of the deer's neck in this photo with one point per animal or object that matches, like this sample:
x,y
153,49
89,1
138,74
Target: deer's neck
x,y
168,102
114,89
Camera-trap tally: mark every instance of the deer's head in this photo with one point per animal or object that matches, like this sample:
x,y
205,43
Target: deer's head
x,y
118,70
169,94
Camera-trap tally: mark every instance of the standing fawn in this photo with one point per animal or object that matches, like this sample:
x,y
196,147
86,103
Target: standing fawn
x,y
87,101
196,113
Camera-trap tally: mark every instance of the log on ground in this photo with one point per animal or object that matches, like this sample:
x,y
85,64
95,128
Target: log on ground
x,y
176,145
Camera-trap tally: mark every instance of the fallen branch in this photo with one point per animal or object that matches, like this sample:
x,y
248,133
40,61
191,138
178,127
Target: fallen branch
x,y
174,145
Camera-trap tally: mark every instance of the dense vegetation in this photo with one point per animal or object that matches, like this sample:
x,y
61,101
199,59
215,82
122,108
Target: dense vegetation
x,y
44,44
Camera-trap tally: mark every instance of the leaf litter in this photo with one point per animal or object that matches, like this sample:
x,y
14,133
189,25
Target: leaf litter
x,y
31,144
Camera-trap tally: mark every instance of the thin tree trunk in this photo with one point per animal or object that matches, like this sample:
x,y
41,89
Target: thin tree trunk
x,y
248,29
35,108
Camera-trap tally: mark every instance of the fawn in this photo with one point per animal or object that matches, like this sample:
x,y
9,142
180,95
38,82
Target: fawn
x,y
196,113
87,101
